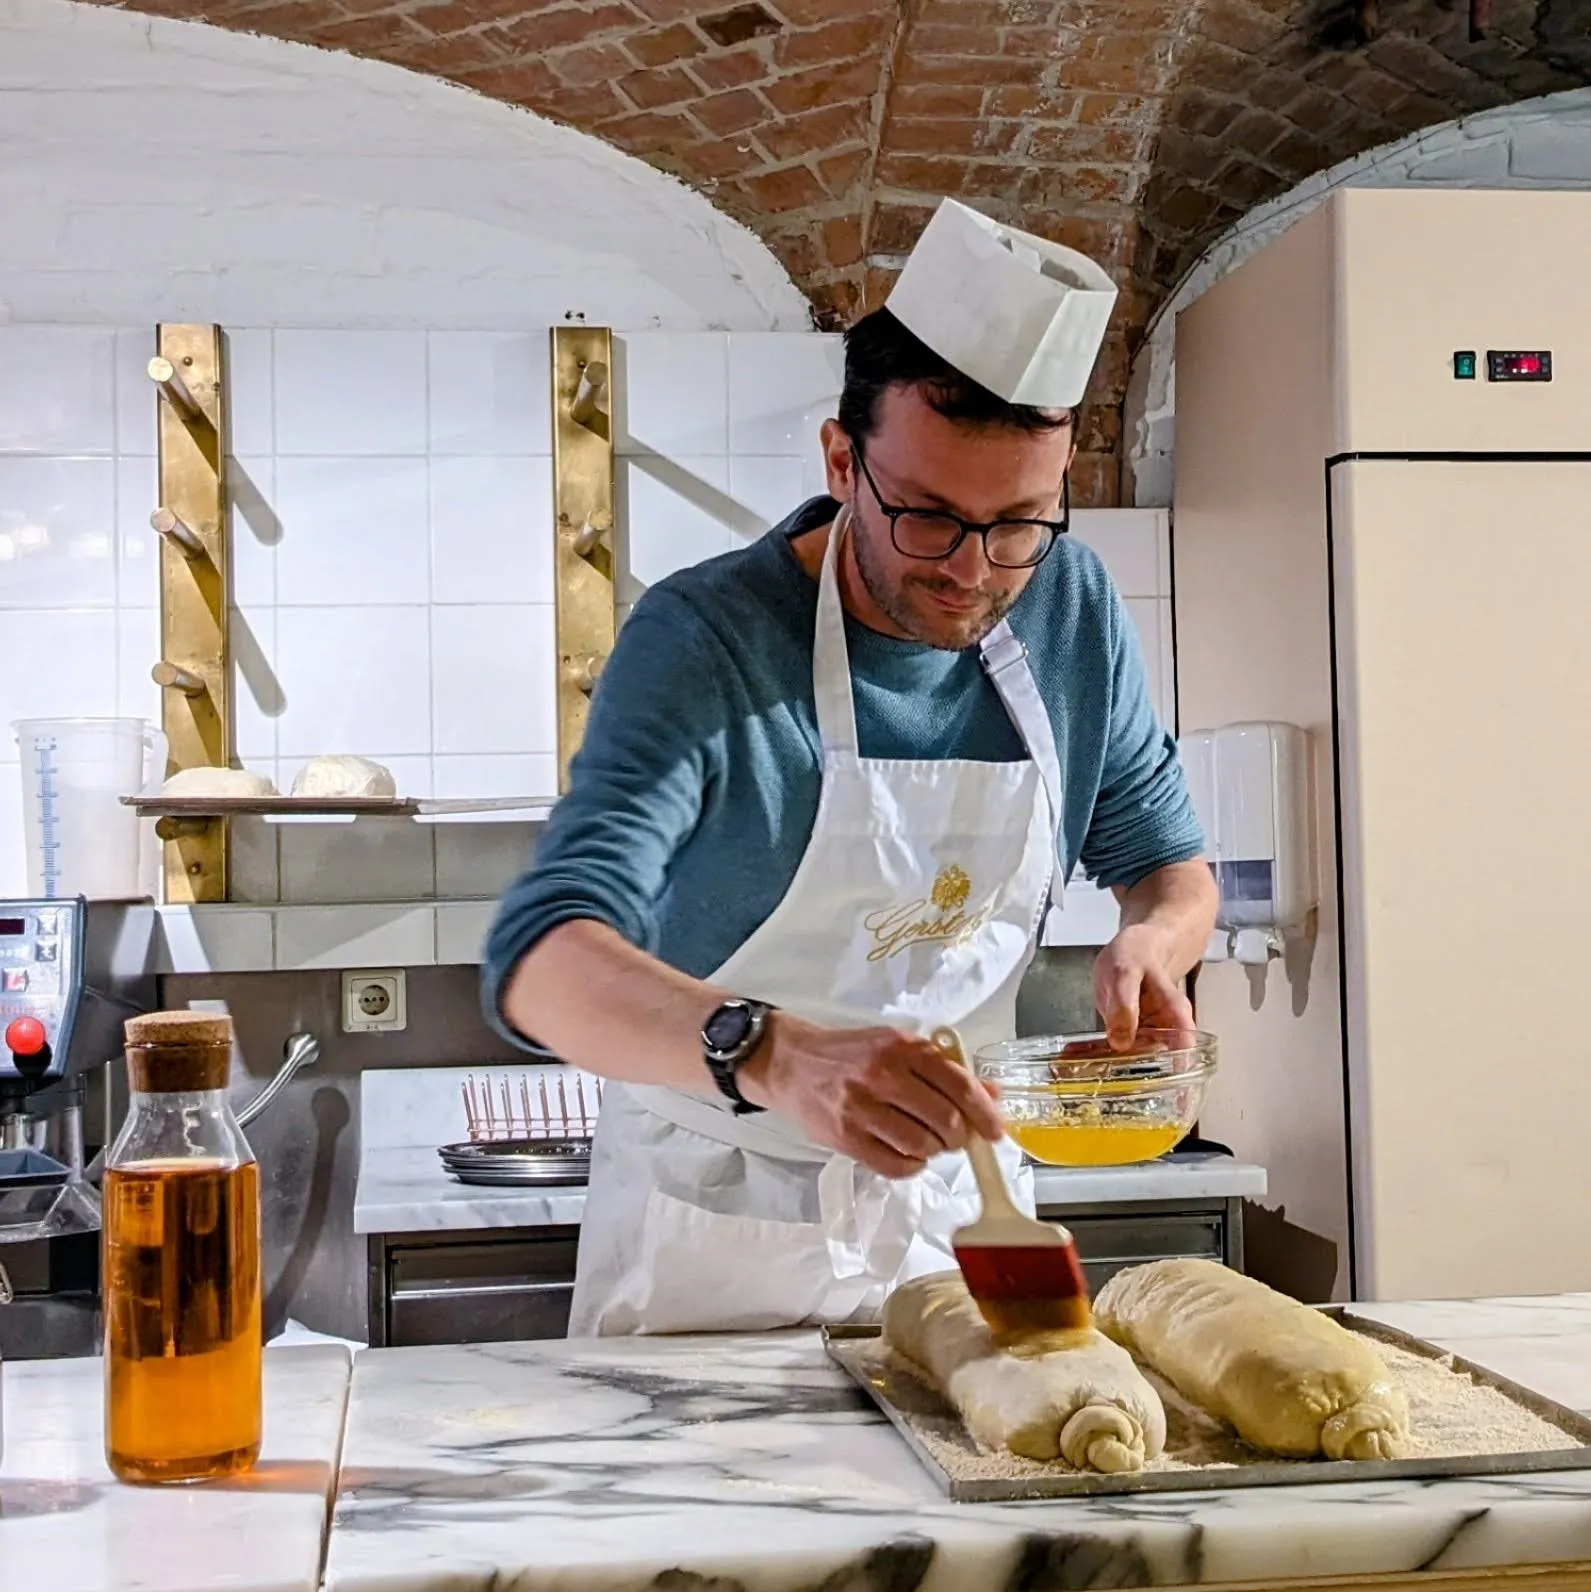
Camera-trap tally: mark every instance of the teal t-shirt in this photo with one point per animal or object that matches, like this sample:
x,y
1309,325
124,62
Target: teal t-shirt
x,y
694,791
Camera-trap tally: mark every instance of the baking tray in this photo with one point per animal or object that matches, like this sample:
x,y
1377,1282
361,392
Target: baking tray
x,y
895,1392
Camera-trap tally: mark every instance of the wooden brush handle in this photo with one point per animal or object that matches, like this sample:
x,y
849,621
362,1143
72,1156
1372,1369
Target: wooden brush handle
x,y
992,1186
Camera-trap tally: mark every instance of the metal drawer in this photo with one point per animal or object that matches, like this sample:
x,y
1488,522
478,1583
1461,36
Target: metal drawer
x,y
1108,1244
488,1292
505,1313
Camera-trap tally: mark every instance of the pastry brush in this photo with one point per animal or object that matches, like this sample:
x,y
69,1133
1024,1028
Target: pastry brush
x,y
1024,1275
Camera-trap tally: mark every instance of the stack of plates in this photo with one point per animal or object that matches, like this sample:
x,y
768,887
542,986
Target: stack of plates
x,y
510,1163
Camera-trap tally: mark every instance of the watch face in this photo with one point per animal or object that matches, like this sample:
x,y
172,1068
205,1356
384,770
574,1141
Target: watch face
x,y
727,1027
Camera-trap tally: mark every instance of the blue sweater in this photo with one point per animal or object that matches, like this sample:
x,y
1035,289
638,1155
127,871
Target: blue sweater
x,y
693,795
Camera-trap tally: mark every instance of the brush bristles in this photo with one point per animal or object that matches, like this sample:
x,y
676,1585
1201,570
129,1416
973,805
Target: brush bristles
x,y
1028,1288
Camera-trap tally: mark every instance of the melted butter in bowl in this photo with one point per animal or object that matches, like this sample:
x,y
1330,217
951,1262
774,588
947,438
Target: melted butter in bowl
x,y
1071,1100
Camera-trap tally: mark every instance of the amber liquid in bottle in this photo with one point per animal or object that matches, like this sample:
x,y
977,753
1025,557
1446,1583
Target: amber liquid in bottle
x,y
182,1319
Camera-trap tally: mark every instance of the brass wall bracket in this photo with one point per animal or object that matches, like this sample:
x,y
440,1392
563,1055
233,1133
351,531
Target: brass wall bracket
x,y
583,498
194,671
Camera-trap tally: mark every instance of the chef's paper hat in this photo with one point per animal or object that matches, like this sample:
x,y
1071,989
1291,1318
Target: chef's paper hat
x,y
1020,316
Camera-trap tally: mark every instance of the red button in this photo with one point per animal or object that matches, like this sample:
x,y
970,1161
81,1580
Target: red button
x,y
25,1036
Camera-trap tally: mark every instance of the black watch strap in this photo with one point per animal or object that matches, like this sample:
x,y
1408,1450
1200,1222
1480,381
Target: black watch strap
x,y
730,1038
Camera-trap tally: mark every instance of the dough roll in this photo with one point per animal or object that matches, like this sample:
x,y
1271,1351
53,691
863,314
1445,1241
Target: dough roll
x,y
1075,1396
1286,1378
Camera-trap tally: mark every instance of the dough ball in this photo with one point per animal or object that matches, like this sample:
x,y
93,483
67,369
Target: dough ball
x,y
336,777
217,782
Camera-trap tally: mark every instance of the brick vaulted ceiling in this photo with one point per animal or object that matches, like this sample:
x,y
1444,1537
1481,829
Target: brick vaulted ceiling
x,y
1136,130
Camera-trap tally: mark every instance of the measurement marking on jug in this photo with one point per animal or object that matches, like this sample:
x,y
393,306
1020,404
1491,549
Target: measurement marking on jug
x,y
48,794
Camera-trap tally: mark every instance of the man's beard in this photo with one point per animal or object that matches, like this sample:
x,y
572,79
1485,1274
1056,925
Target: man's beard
x,y
968,629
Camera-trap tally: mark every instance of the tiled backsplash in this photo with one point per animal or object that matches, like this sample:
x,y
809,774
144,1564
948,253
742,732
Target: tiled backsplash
x,y
392,536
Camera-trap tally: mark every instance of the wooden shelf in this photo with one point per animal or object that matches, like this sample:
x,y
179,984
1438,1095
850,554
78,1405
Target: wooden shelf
x,y
315,809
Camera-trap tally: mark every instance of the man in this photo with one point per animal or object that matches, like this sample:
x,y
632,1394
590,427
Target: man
x,y
829,787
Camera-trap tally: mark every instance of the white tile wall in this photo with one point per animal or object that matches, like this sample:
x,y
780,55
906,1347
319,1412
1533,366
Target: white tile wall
x,y
719,435
354,531
350,936
1134,545
673,393
381,860
461,930
257,697
481,860
137,644
355,679
137,546
493,679
491,530
342,394
393,569
257,529
490,393
673,512
136,432
781,390
57,389
1129,542
251,382
57,532
13,852
217,940
71,656
765,488
460,778
256,871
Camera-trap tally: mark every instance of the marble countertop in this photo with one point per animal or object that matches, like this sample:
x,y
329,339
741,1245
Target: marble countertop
x,y
1190,1176
67,1525
406,1190
404,1113
750,1462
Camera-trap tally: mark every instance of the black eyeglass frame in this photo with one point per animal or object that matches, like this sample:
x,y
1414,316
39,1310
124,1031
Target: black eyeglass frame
x,y
893,512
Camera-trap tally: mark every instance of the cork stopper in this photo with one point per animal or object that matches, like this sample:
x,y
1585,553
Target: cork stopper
x,y
178,1052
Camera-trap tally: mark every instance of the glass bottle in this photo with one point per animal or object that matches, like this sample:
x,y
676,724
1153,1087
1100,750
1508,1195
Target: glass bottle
x,y
182,1280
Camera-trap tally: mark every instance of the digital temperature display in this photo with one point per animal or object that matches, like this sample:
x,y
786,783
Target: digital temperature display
x,y
1533,366
11,927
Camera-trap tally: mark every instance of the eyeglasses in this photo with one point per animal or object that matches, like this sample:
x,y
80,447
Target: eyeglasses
x,y
935,533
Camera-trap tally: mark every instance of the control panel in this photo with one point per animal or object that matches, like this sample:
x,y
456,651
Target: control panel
x,y
40,947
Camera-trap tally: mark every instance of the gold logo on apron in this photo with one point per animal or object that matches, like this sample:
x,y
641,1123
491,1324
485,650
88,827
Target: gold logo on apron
x,y
951,889
940,915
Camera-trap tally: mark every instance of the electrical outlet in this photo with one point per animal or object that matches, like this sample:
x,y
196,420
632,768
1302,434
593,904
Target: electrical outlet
x,y
374,1002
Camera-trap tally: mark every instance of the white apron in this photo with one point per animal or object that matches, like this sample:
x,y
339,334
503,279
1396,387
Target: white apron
x,y
918,901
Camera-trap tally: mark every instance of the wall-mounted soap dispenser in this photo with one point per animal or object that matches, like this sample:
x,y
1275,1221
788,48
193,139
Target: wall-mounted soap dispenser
x,y
1250,788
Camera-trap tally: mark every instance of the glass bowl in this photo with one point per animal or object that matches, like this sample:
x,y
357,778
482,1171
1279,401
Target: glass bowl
x,y
1070,1100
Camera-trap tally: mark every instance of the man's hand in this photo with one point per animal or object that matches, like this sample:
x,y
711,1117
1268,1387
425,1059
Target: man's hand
x,y
874,1094
1166,920
1135,987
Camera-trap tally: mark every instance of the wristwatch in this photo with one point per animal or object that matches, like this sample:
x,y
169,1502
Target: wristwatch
x,y
730,1038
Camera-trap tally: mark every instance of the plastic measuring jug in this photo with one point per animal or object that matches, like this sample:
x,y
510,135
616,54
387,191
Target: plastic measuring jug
x,y
80,839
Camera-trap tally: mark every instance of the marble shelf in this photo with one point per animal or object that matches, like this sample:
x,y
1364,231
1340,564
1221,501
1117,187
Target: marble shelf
x,y
404,1189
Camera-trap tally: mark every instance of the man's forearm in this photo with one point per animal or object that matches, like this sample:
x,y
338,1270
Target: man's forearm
x,y
601,1004
1180,900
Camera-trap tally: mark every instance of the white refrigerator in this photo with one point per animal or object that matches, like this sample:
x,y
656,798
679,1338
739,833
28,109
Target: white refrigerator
x,y
1382,532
